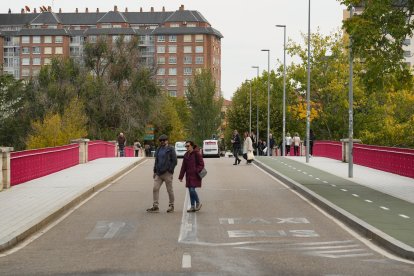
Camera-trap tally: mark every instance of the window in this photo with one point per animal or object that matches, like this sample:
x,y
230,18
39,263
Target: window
x,y
172,93
407,42
74,51
187,38
52,27
172,49
160,82
407,54
199,38
161,49
188,71
74,40
115,38
47,61
59,50
59,39
47,50
36,61
161,60
25,50
25,39
161,38
172,82
187,49
161,71
92,38
47,39
25,72
191,25
199,60
127,38
36,39
172,71
36,50
187,60
116,26
172,38
172,60
25,61
174,25
186,82
199,49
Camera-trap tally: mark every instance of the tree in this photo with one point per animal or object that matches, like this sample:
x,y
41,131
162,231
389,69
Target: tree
x,y
205,107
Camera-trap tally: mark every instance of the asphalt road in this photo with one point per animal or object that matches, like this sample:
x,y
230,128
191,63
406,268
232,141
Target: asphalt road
x,y
250,224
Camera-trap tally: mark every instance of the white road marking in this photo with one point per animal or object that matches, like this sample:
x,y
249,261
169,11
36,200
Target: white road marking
x,y
305,173
384,208
186,262
310,175
317,178
355,195
404,216
333,185
367,200
345,190
326,182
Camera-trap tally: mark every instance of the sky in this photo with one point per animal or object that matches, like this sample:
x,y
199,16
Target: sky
x,y
247,26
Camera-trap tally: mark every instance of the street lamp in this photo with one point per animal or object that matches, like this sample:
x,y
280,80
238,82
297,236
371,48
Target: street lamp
x,y
308,109
351,103
284,88
257,114
268,99
250,107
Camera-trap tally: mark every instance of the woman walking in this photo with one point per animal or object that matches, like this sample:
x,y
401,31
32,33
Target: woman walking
x,y
247,147
192,164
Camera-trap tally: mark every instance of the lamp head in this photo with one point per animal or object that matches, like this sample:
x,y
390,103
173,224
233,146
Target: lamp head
x,y
281,26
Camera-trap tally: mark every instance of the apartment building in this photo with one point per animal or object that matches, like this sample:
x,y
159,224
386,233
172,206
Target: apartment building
x,y
176,43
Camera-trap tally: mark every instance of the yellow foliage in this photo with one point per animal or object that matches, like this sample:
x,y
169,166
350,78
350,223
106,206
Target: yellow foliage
x,y
300,110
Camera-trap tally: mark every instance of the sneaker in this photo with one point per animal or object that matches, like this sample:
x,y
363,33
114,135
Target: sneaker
x,y
198,206
191,210
153,209
170,208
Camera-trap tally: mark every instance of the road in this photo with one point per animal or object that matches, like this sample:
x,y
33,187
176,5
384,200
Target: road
x,y
250,224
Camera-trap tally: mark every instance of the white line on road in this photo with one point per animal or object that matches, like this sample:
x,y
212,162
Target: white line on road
x,y
317,178
333,185
367,200
186,263
345,190
326,182
404,216
384,208
355,195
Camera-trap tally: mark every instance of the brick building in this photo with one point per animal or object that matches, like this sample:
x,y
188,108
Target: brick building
x,y
176,43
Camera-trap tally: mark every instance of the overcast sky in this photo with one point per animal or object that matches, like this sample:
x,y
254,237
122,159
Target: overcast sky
x,y
247,26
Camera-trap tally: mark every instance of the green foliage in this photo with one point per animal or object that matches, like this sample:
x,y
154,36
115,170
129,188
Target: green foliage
x,y
205,107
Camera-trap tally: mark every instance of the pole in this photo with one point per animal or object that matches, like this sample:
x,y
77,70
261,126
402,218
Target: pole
x,y
257,114
284,89
351,103
268,103
308,110
250,118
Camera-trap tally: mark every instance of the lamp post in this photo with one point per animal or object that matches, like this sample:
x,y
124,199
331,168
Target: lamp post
x,y
308,109
351,103
268,99
257,114
250,107
284,88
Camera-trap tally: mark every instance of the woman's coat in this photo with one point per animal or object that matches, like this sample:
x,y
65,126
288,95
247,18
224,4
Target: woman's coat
x,y
192,164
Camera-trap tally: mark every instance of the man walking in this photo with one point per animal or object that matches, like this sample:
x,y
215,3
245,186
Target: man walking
x,y
165,162
235,140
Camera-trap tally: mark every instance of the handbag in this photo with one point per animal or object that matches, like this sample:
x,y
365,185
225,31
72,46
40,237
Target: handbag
x,y
250,155
203,172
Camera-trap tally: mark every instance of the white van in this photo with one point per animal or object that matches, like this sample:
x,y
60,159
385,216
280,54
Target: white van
x,y
180,149
211,148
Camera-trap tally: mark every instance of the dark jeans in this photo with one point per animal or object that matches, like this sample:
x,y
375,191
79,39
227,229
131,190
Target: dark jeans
x,y
296,150
311,147
193,196
121,152
236,155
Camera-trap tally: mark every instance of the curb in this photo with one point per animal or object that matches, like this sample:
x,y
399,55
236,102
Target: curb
x,y
56,214
377,236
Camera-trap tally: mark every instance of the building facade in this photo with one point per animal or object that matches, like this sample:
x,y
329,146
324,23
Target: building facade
x,y
177,44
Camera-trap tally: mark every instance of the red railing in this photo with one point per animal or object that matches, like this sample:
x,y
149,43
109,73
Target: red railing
x,y
30,164
99,149
329,149
129,151
398,161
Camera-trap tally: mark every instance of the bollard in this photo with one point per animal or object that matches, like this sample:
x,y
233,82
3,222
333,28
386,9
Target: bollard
x,y
5,167
83,149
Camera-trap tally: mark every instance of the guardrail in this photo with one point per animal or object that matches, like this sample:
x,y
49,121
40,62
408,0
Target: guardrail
x,y
31,164
329,149
100,149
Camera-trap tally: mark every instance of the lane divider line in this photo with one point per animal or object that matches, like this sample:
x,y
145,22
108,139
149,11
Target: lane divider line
x,y
384,208
404,216
186,262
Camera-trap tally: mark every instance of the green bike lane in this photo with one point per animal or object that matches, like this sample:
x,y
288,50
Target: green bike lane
x,y
368,210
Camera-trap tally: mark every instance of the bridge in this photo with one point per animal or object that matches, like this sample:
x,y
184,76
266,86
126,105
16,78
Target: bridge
x,y
50,195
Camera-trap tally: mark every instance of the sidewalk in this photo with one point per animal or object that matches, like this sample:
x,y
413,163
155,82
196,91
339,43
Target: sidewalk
x,y
377,204
27,207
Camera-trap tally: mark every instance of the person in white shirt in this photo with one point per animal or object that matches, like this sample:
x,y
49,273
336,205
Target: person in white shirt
x,y
296,144
288,142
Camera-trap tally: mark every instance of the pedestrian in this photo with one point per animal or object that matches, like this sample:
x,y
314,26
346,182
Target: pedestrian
x,y
192,164
137,148
288,142
271,144
254,141
147,149
165,162
121,140
247,148
296,144
311,140
235,140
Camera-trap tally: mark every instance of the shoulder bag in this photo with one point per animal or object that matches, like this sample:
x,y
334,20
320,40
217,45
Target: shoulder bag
x,y
203,172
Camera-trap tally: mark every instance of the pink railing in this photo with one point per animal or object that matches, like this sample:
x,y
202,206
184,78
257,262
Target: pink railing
x,y
129,151
398,161
30,164
329,149
99,149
